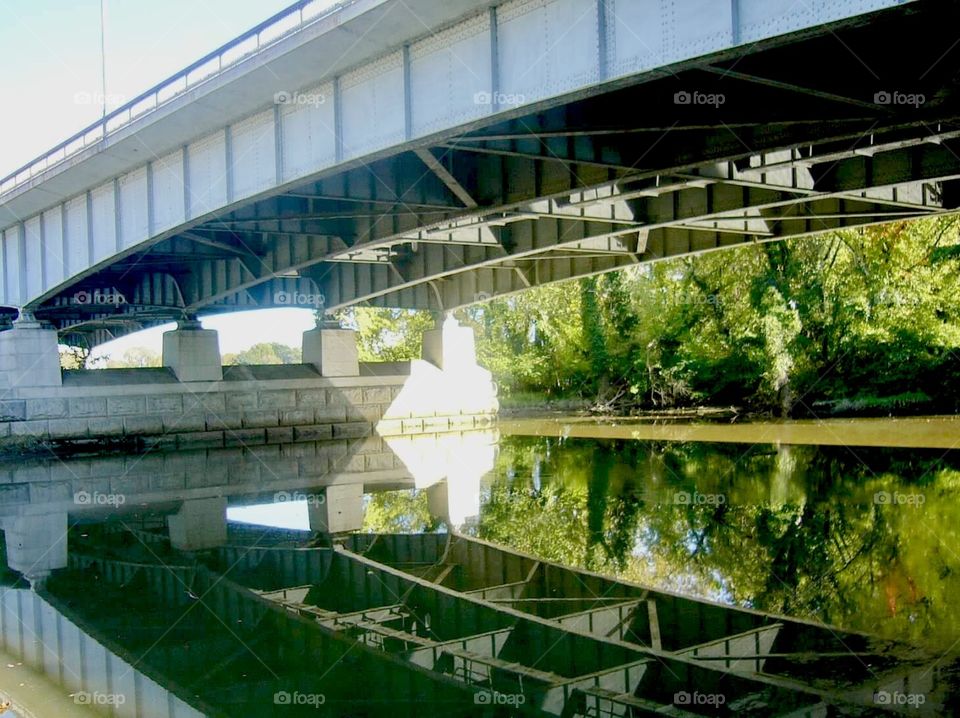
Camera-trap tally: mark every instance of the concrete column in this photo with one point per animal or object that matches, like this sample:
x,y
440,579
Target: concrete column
x,y
199,524
450,346
438,501
332,350
450,466
342,509
192,352
36,545
29,355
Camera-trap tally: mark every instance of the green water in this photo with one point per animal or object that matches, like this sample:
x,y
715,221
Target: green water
x,y
862,537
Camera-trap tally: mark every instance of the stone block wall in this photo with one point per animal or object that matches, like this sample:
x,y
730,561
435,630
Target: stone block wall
x,y
231,412
246,474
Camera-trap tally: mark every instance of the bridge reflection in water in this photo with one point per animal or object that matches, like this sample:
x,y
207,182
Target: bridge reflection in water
x,y
266,621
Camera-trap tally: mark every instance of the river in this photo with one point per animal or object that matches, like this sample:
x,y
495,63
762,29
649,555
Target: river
x,y
852,523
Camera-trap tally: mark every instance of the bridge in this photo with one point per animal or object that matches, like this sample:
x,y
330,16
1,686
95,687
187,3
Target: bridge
x,y
420,155
431,155
448,625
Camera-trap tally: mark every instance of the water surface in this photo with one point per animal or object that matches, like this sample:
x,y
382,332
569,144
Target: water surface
x,y
864,537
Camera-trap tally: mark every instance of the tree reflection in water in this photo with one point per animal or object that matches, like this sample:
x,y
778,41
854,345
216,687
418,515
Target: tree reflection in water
x,y
862,538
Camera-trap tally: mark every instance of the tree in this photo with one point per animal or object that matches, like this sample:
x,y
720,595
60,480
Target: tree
x,y
79,357
406,511
853,321
388,334
265,353
135,358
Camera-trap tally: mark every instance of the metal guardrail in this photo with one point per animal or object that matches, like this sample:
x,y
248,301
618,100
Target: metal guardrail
x,y
289,20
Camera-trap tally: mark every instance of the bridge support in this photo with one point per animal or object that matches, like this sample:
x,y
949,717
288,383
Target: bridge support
x,y
36,545
446,382
199,524
449,346
341,510
29,355
332,350
192,352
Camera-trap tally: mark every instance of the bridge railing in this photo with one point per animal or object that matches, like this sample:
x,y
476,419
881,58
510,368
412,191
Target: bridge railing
x,y
256,39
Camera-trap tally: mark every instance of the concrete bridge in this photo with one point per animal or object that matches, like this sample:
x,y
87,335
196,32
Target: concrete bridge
x,y
430,155
419,154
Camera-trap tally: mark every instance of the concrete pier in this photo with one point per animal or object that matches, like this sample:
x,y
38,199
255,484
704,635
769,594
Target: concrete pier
x,y
194,402
339,511
36,544
331,350
192,352
29,355
449,346
199,524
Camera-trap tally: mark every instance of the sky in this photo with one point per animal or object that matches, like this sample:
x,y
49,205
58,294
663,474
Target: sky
x,y
51,79
235,331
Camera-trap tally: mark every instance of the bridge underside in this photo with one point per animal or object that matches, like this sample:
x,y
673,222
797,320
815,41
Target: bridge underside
x,y
437,624
794,143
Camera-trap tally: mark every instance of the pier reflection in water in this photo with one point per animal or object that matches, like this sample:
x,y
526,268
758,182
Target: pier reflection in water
x,y
861,538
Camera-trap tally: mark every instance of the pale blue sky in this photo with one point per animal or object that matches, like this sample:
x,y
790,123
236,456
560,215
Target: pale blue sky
x,y
51,81
52,53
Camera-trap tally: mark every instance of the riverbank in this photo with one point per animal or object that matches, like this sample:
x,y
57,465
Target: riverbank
x,y
907,404
930,432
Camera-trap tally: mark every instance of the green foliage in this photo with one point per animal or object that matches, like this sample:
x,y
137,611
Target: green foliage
x,y
800,531
534,341
404,511
595,341
78,357
265,353
388,334
861,315
135,358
